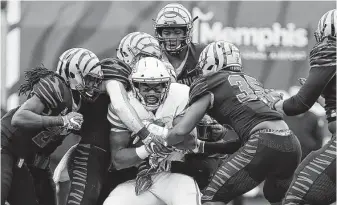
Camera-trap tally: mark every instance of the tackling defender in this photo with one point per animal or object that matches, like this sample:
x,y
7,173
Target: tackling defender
x,y
270,152
315,179
32,131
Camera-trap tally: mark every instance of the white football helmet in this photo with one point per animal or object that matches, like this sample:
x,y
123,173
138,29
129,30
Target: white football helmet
x,y
327,26
150,72
219,55
80,68
174,15
137,45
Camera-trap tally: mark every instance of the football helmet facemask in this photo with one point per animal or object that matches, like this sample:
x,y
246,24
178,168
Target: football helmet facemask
x,y
174,18
150,81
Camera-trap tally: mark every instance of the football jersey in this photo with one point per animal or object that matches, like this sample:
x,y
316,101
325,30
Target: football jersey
x,y
186,72
95,129
174,104
57,99
323,56
55,95
239,100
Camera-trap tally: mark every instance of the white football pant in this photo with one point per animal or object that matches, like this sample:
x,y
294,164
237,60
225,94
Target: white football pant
x,y
167,189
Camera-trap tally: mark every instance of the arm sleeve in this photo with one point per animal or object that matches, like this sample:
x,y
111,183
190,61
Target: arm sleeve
x,y
122,107
310,91
116,124
323,69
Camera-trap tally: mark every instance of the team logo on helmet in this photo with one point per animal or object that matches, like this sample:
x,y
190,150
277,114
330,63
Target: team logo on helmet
x,y
326,26
137,45
219,55
80,68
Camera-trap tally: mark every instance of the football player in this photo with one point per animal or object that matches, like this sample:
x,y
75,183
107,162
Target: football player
x,y
270,151
88,162
32,131
173,28
157,101
95,130
315,178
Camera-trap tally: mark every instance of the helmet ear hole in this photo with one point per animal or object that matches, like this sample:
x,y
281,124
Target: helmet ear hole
x,y
124,54
160,31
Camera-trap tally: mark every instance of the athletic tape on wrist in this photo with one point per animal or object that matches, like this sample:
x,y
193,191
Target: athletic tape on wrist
x,y
142,152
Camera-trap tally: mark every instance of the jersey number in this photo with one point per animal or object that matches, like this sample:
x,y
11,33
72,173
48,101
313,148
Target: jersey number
x,y
250,89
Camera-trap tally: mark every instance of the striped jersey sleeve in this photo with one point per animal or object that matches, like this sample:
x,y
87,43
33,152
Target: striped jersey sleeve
x,y
114,69
50,90
116,124
198,89
323,54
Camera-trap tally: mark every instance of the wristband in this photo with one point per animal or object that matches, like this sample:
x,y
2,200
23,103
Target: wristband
x,y
142,152
143,133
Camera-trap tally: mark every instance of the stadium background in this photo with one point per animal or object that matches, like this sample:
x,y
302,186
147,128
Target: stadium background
x,y
275,38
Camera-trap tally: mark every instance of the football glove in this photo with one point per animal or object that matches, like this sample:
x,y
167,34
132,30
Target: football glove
x,y
302,80
217,131
154,144
73,121
273,97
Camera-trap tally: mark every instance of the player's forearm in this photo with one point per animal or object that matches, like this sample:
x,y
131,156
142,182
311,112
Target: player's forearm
x,y
122,106
125,158
31,120
192,116
309,92
222,147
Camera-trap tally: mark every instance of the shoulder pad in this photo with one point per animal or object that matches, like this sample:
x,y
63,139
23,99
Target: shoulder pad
x,y
51,91
178,93
179,89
